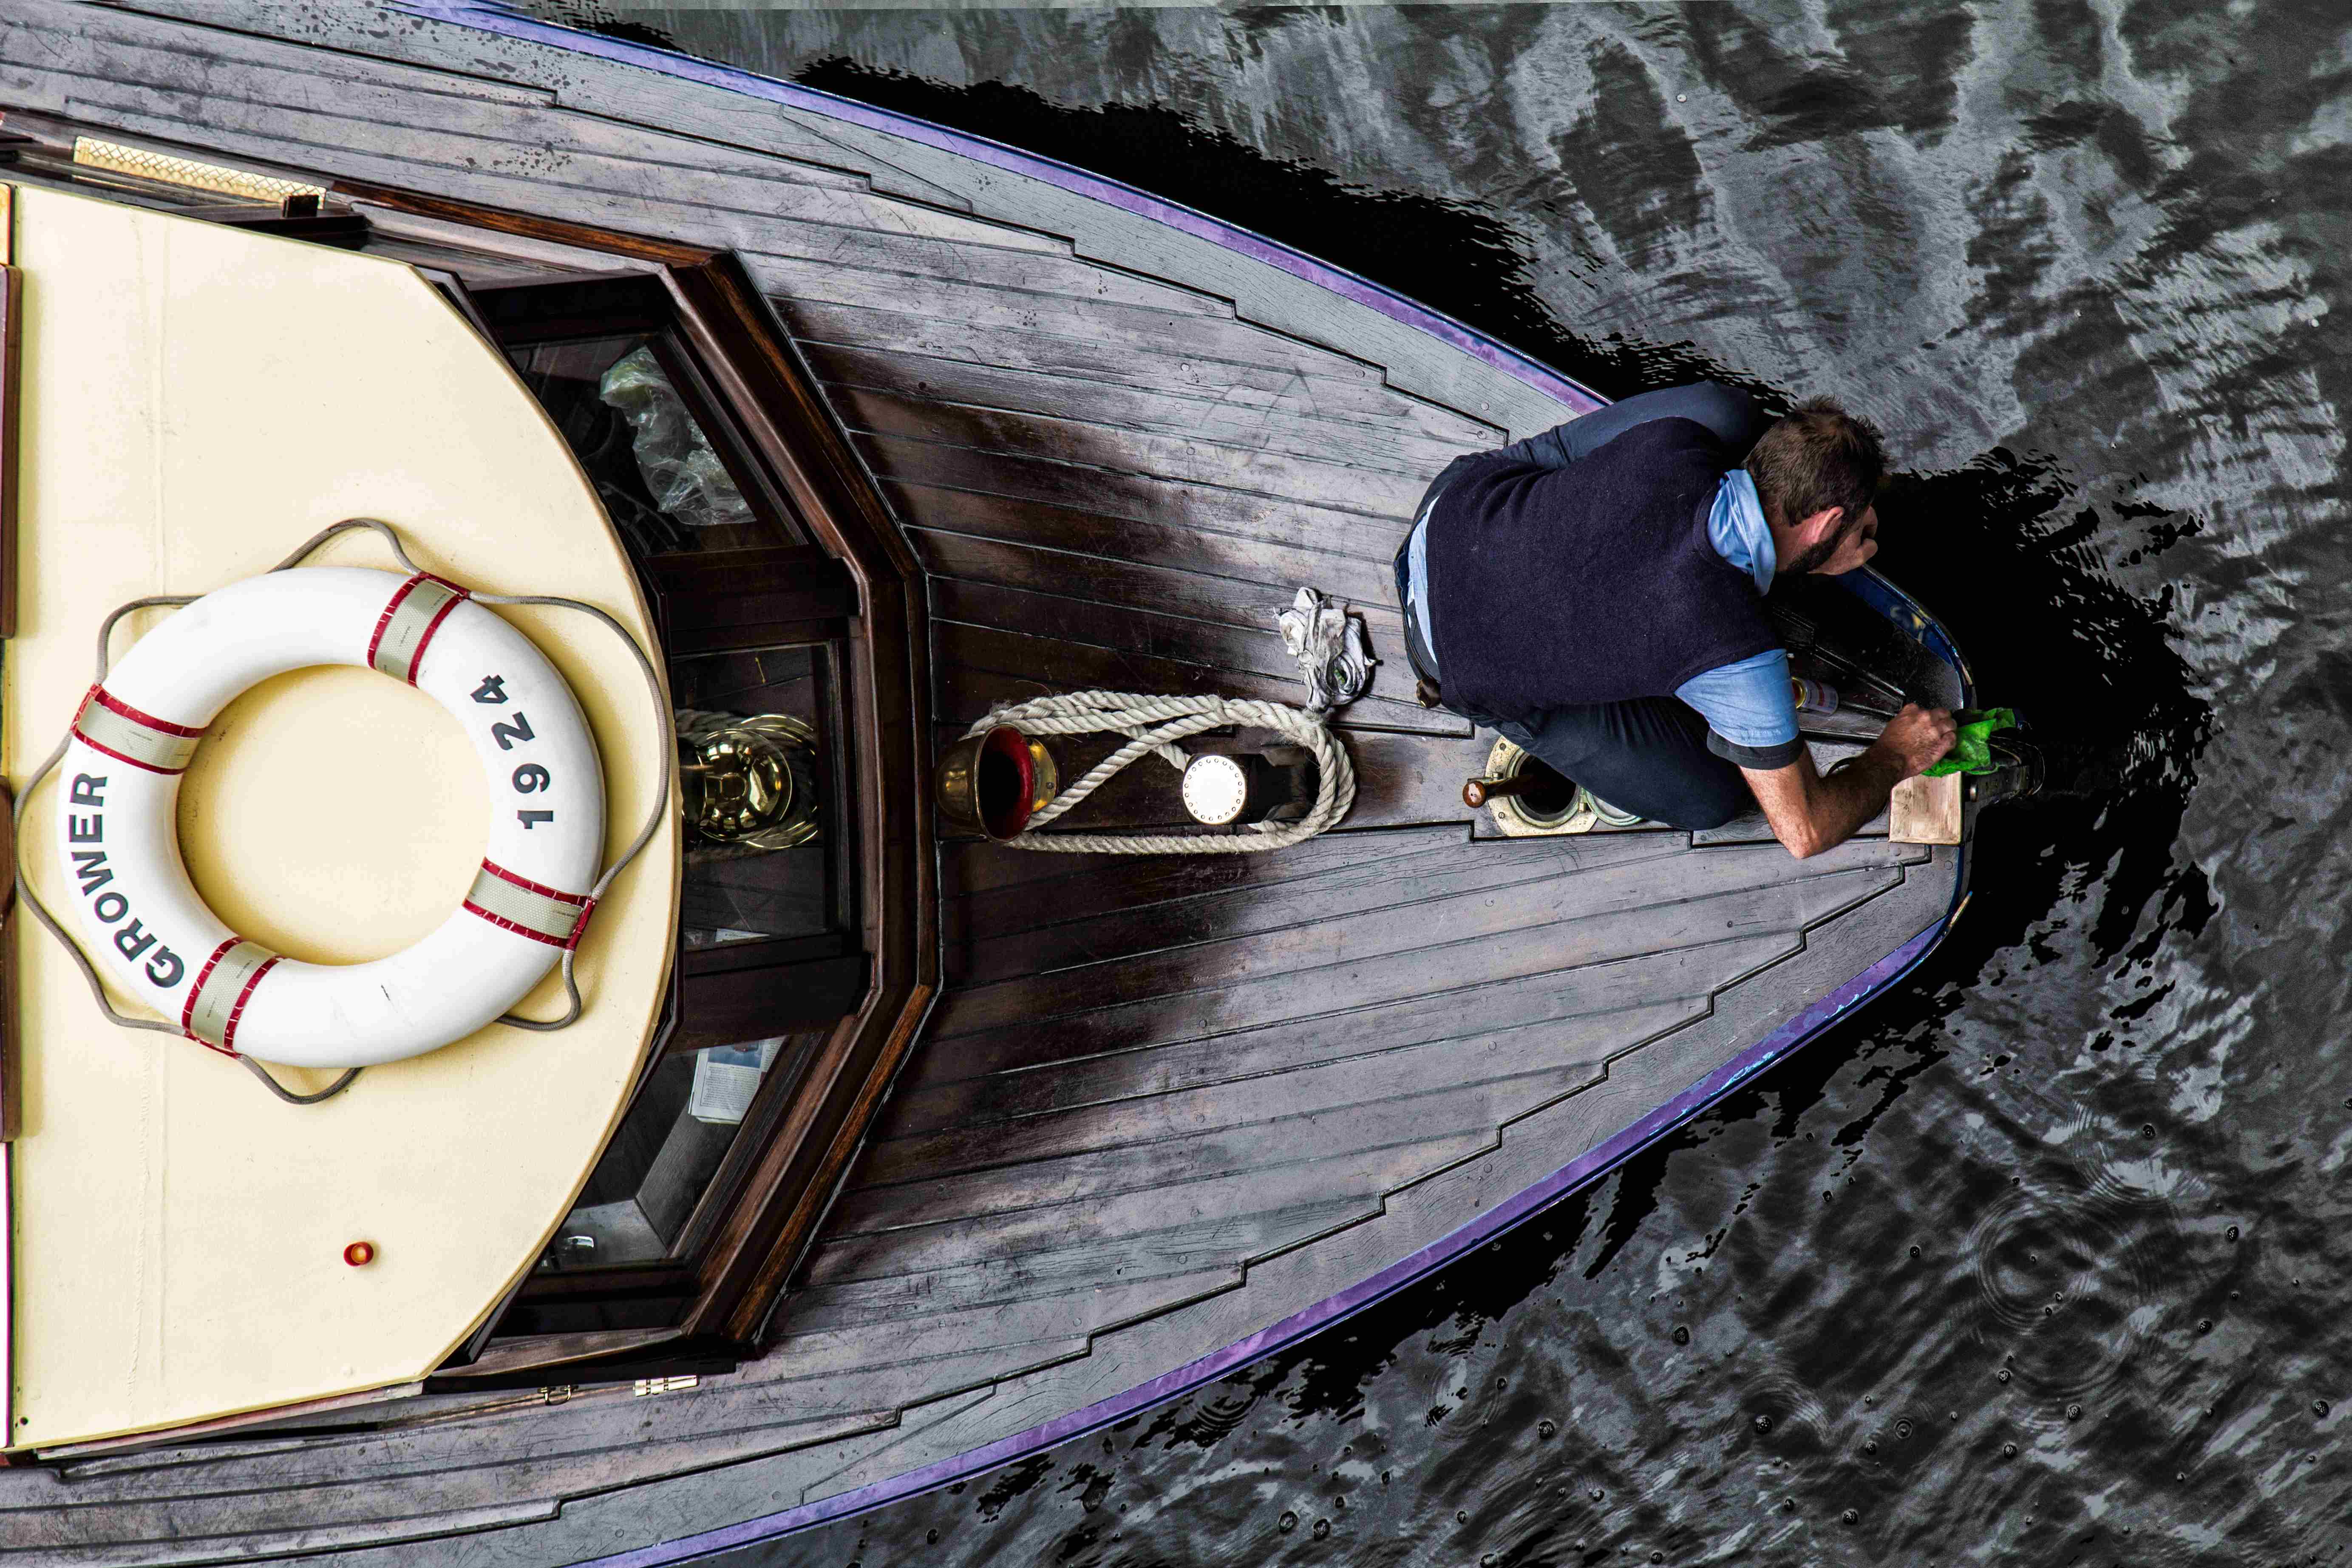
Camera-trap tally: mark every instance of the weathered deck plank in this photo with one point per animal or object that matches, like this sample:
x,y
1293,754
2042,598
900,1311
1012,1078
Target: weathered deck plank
x,y
1159,436
1030,441
1239,408
1084,611
994,538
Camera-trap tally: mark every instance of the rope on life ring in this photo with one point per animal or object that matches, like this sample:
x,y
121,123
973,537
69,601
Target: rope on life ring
x,y
515,911
1154,724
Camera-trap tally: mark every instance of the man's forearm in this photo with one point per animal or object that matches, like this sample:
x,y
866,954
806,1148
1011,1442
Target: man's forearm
x,y
1811,813
1853,793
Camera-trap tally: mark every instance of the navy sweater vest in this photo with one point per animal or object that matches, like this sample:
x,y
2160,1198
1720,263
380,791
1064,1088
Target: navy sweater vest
x,y
1591,583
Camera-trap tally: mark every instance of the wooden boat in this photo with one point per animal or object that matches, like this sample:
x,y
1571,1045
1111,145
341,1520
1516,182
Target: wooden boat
x,y
1028,1142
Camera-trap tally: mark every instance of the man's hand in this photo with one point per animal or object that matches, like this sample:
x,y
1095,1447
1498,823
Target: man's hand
x,y
1916,738
1809,813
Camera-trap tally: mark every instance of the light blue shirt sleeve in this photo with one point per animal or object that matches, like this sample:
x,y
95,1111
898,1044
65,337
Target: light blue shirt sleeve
x,y
1749,708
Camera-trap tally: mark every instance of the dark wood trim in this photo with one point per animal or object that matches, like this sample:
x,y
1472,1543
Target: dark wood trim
x,y
540,1351
867,597
886,689
612,1279
525,226
12,332
522,314
671,1358
776,999
878,1045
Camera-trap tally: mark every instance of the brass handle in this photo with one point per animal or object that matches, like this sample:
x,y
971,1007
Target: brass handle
x,y
1478,791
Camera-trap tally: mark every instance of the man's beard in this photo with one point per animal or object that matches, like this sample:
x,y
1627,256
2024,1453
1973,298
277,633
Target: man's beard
x,y
1817,557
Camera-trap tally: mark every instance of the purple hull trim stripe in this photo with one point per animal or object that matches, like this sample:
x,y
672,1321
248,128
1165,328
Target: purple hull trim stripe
x,y
1593,1164
496,18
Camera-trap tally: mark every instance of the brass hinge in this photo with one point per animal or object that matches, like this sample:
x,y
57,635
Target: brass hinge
x,y
645,1386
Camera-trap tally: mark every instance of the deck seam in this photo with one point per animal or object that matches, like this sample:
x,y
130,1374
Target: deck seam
x,y
1439,947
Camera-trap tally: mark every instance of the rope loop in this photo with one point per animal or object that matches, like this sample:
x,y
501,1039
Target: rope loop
x,y
1153,725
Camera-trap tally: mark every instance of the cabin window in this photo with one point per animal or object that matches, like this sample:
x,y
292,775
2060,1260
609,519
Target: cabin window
x,y
668,1165
670,488
760,623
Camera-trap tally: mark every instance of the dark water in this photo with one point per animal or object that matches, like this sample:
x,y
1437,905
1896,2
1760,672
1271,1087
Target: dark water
x,y
2044,1258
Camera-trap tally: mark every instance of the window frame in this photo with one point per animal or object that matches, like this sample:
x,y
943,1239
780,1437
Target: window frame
x,y
869,986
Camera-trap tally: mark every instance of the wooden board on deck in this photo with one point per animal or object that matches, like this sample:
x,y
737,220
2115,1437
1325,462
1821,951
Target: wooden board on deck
x,y
1924,810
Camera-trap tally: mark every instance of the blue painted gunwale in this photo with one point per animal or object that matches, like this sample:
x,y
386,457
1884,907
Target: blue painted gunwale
x,y
1896,606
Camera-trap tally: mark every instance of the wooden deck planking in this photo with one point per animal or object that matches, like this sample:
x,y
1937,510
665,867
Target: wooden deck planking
x,y
551,1433
833,1294
1340,389
621,92
453,144
1248,604
371,45
1435,872
1449,963
796,256
1247,514
1086,608
1163,435
963,1220
1058,889
1081,1201
1156,1117
1025,440
982,665
1648,909
1237,408
1194,572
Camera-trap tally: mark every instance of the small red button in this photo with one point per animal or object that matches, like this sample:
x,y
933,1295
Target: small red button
x,y
360,1252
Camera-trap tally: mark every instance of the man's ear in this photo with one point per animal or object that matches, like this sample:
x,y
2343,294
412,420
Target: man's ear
x,y
1821,526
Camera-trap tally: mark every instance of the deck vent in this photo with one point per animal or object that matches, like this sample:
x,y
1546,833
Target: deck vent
x,y
92,153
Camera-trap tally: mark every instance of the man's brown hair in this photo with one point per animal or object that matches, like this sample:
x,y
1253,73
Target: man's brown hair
x,y
1820,457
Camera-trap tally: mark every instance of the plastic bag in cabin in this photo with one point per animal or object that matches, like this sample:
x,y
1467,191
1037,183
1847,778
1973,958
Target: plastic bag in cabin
x,y
685,477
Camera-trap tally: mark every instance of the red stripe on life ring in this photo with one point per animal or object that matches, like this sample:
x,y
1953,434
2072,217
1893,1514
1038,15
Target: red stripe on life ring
x,y
188,1008
543,914
425,640
581,930
228,1032
383,622
503,923
169,748
108,699
109,751
539,888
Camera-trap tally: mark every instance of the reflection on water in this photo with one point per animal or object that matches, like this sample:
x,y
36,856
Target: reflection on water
x,y
2041,1259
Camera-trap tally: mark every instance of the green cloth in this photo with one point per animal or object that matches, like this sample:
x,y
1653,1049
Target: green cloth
x,y
1972,752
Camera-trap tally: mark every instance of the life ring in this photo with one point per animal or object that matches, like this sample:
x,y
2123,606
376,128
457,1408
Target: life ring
x,y
138,729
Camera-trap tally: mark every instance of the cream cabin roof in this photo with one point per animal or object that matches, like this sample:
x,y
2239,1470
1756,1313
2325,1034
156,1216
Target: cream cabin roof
x,y
197,401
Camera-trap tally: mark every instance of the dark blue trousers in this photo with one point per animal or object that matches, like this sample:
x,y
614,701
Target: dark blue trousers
x,y
1644,754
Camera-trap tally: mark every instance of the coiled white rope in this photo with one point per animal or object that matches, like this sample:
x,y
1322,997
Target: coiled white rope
x,y
1154,724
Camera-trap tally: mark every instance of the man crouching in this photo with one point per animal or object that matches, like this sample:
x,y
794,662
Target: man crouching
x,y
1596,594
